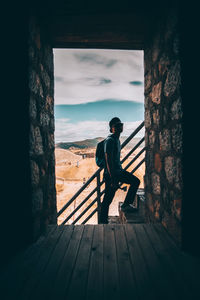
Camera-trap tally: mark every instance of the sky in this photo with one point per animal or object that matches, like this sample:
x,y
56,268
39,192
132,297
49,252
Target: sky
x,y
92,86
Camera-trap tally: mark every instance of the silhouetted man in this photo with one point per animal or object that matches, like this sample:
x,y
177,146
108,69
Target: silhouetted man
x,y
114,173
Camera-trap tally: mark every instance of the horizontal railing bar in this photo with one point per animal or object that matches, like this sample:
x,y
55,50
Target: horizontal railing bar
x,y
79,206
132,150
88,196
135,158
89,217
78,193
102,192
85,210
140,163
132,135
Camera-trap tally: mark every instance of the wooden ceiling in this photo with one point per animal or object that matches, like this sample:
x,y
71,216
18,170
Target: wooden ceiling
x,y
115,24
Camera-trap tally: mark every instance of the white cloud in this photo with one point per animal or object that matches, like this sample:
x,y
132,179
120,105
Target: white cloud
x,y
80,75
68,132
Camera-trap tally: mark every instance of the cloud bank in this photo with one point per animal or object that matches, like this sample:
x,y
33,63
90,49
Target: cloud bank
x,y
68,132
89,75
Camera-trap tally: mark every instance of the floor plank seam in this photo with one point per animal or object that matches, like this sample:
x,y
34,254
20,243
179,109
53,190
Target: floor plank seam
x,y
86,284
117,260
131,263
71,275
144,258
53,283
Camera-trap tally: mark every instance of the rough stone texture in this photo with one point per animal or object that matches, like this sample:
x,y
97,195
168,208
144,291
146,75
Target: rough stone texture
x,y
155,183
163,124
176,110
173,80
41,108
157,162
177,138
156,93
164,138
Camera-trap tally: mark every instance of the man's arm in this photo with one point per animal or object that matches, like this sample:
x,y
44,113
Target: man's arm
x,y
109,163
110,167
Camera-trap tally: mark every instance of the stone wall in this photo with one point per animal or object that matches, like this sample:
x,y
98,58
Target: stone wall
x,y
41,110
163,123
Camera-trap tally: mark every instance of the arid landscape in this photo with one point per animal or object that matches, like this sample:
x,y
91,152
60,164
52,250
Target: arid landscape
x,y
74,166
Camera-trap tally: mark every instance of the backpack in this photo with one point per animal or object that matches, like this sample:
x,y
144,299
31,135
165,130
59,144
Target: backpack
x,y
99,156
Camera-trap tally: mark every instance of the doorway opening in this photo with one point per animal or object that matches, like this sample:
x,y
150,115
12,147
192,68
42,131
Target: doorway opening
x,y
91,87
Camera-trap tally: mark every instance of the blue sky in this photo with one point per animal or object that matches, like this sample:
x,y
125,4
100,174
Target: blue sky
x,y
92,86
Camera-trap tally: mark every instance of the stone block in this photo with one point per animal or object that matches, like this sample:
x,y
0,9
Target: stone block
x,y
35,84
147,118
173,80
33,108
178,174
36,145
156,93
165,142
37,200
157,210
163,64
147,81
155,179
176,110
44,119
177,138
170,168
49,105
51,142
46,78
152,138
35,173
146,139
156,117
157,162
177,208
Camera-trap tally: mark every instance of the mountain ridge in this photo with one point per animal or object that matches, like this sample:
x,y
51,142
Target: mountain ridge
x,y
92,143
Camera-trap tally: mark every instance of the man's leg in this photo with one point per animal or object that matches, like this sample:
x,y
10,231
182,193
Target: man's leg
x,y
108,197
126,177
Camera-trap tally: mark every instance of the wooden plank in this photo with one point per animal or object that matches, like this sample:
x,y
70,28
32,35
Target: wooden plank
x,y
146,288
95,274
188,265
41,263
111,279
127,282
46,279
61,283
78,284
164,287
98,197
19,269
175,276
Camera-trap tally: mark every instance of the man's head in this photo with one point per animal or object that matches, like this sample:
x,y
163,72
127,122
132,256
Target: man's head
x,y
116,126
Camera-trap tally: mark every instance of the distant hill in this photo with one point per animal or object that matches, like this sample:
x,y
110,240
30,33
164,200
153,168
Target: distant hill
x,y
91,143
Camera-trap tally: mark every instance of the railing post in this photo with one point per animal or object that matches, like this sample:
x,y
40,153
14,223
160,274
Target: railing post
x,y
98,197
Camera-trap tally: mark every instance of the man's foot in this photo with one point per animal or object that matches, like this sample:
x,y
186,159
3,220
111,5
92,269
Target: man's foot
x,y
128,208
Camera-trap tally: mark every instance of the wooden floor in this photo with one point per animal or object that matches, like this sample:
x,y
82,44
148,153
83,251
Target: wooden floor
x,y
131,261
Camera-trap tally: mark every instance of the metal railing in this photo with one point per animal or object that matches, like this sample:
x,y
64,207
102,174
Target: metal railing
x,y
99,183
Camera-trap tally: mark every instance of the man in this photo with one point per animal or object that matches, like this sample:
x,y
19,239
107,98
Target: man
x,y
114,173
